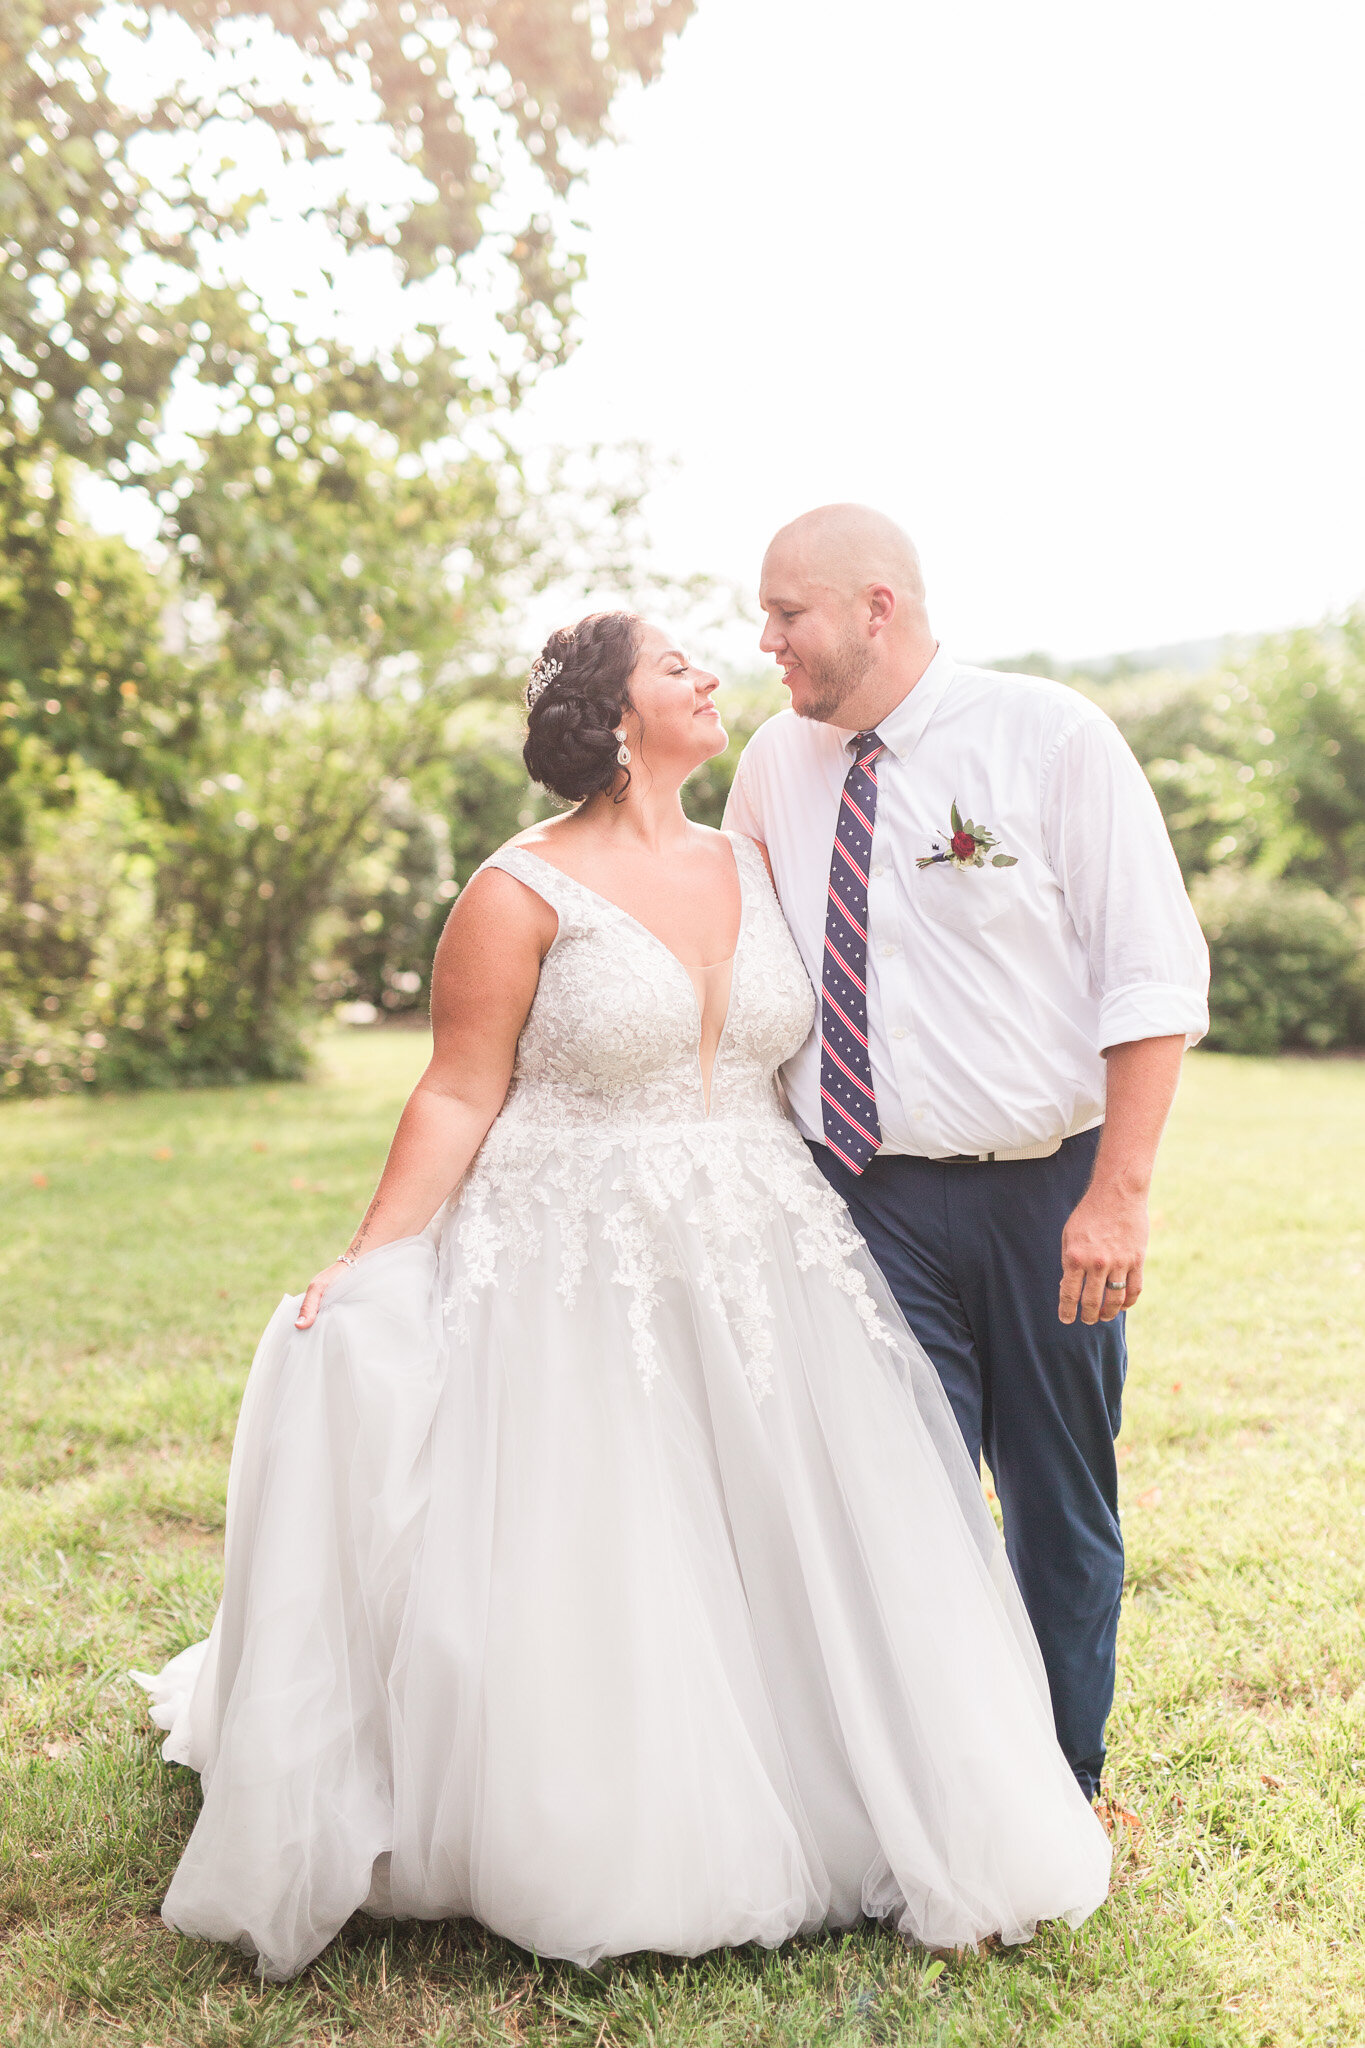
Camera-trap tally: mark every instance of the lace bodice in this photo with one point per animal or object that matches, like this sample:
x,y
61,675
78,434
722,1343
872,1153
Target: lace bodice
x,y
605,1134
613,1033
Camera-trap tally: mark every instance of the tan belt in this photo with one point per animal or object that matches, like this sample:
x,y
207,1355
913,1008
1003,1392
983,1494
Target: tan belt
x,y
1043,1150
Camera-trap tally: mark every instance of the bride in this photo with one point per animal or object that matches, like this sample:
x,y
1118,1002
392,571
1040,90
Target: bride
x,y
603,1560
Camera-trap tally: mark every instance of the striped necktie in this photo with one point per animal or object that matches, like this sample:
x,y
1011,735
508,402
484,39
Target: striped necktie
x,y
852,1127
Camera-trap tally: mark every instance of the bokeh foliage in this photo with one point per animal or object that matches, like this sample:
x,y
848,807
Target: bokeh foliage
x,y
486,113
210,762
1260,771
242,778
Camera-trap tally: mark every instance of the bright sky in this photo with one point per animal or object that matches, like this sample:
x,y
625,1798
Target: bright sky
x,y
1073,290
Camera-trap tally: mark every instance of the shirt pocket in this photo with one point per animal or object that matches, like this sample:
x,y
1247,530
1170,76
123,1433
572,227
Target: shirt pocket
x,y
966,899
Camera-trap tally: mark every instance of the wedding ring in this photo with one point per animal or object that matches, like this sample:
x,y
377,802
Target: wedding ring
x,y
1117,1286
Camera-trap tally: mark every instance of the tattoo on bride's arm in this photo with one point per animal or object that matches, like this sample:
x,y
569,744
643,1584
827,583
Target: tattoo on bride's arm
x,y
357,1244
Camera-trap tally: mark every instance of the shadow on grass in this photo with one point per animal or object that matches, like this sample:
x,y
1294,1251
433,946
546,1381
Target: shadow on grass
x,y
84,1958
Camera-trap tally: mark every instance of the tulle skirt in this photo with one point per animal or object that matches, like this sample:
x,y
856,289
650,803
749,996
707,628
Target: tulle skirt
x,y
614,1659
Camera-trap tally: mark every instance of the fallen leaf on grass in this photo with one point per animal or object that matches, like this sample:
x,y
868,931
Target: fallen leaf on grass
x,y
298,1183
259,1145
1123,1454
57,1750
163,1152
1275,1784
1150,1499
39,1180
1114,1815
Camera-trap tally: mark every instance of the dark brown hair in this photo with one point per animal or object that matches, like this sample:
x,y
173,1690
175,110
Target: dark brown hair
x,y
571,722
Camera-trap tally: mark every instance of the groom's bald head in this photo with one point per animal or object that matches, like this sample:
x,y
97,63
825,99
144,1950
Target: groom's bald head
x,y
844,597
848,548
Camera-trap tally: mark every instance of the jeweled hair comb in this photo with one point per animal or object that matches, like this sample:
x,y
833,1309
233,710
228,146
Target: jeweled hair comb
x,y
542,674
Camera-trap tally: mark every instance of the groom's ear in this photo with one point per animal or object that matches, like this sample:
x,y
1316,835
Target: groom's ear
x,y
881,607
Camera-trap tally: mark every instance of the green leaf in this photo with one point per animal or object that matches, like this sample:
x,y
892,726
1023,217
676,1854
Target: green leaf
x,y
931,1975
956,815
1003,860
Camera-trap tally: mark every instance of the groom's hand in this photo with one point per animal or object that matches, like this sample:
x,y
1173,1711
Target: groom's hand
x,y
1105,1239
1104,1242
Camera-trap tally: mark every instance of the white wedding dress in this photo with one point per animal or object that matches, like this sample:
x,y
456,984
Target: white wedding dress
x,y
605,1562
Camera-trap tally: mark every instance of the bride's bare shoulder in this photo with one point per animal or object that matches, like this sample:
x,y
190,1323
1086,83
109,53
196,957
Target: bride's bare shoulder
x,y
554,840
498,909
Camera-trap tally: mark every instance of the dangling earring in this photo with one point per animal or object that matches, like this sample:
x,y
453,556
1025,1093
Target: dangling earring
x,y
623,751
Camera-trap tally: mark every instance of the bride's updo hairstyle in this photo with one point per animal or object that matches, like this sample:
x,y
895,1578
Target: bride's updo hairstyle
x,y
576,696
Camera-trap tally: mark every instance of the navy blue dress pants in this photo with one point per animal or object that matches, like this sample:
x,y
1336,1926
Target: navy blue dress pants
x,y
972,1252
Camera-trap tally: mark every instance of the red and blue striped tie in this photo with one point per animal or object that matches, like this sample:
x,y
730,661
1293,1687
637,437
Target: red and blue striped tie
x,y
852,1127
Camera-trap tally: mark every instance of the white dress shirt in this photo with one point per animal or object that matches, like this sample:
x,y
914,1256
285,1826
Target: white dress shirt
x,y
992,991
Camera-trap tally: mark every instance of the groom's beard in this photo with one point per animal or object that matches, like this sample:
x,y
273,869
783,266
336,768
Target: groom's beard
x,y
833,678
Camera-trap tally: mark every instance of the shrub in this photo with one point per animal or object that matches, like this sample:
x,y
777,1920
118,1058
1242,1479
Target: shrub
x,y
1288,964
77,894
375,944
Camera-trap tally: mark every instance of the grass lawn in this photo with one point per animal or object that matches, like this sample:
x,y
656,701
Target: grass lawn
x,y
146,1241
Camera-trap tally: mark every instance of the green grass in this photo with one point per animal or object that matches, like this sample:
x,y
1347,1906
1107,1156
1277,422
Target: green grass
x,y
145,1243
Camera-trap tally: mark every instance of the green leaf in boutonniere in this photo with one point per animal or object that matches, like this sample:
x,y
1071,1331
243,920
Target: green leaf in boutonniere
x,y
967,847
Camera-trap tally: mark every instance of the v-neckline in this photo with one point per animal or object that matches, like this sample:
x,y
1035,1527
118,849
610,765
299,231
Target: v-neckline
x,y
707,1094
630,917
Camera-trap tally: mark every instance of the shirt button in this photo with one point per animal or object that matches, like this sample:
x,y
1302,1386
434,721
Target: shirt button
x,y
898,1031
887,951
878,869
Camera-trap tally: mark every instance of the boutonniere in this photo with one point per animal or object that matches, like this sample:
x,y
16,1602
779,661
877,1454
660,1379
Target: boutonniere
x,y
965,846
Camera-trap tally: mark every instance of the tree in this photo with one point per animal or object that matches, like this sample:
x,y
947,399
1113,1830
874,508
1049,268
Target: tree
x,y
1262,765
1260,771
103,304
467,100
1309,690
339,556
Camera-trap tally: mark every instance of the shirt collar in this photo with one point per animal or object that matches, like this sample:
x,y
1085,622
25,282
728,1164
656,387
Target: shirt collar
x,y
902,728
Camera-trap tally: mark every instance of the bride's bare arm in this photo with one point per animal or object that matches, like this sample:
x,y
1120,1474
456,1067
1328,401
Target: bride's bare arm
x,y
483,982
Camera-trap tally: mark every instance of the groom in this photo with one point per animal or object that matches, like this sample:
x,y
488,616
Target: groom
x,y
981,885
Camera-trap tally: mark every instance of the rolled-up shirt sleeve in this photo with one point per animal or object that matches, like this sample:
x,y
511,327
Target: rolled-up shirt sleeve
x,y
1107,844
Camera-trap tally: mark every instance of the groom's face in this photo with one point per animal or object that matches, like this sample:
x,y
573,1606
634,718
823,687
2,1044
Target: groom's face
x,y
817,635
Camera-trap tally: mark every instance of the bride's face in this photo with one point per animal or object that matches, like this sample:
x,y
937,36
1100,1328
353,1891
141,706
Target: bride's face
x,y
674,726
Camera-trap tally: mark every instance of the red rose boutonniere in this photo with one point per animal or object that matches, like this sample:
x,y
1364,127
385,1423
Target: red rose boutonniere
x,y
965,846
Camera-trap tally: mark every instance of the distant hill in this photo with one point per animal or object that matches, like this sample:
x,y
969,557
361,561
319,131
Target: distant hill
x,y
1181,657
